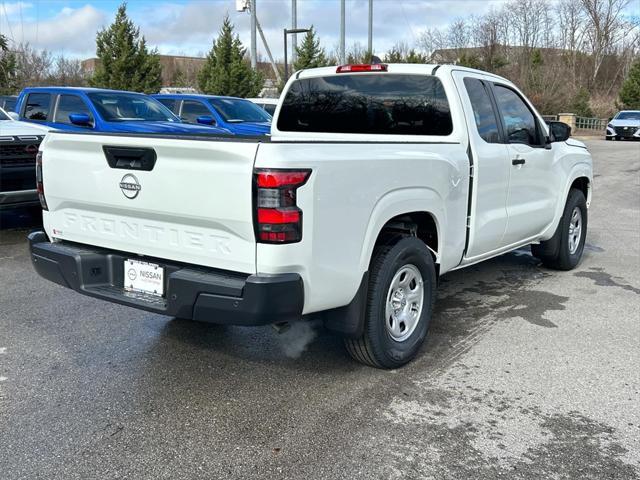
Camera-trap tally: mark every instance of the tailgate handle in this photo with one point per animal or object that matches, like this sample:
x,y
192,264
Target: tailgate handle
x,y
130,158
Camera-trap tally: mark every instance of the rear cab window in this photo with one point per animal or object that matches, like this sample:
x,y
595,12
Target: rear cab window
x,y
483,112
381,104
37,106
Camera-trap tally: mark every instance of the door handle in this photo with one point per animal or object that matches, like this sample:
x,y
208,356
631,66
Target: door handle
x,y
518,161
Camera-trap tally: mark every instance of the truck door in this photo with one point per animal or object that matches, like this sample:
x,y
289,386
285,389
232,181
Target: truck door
x,y
490,166
532,188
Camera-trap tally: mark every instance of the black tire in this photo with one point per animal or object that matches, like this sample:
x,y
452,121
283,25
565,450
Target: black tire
x,y
377,347
555,253
608,138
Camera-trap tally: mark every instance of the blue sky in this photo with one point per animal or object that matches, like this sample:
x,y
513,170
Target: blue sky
x,y
188,26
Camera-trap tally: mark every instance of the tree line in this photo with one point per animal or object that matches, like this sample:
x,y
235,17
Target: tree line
x,y
566,55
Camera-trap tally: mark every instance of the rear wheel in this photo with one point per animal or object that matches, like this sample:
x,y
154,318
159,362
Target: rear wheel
x,y
401,294
564,250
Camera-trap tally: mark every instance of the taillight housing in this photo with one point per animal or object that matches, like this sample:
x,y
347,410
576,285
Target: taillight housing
x,y
39,182
278,219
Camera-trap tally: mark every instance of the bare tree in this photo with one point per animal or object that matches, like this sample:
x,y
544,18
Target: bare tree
x,y
604,28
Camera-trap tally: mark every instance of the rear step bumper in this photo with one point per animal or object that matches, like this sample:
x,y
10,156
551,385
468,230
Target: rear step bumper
x,y
206,295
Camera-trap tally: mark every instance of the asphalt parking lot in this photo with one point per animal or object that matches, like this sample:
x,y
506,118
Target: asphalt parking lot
x,y
527,374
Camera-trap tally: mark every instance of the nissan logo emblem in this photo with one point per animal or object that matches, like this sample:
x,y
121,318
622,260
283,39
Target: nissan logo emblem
x,y
130,186
31,149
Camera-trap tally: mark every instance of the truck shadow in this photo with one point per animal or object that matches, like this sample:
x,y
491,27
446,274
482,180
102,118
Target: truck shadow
x,y
27,217
469,303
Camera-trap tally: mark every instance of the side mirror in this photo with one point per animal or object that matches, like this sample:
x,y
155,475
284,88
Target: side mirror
x,y
80,119
13,116
559,131
206,120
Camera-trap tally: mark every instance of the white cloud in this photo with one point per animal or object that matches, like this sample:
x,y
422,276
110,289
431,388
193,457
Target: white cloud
x,y
15,8
71,30
189,27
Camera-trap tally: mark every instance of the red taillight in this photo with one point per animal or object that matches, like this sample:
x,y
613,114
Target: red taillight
x,y
278,218
39,182
374,67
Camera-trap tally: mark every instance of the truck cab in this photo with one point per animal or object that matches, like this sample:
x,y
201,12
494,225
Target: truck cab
x,y
238,115
100,110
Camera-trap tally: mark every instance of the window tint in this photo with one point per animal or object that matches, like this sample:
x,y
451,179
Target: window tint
x,y
10,105
235,110
170,103
68,104
482,110
630,115
37,106
371,103
191,110
130,107
518,120
3,116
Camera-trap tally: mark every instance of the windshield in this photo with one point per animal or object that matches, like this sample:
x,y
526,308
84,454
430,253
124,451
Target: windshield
x,y
234,110
128,107
3,116
628,116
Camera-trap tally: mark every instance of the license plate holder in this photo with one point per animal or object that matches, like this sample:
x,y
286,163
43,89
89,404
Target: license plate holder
x,y
144,277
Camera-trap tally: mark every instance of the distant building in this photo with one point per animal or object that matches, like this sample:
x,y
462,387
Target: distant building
x,y
182,71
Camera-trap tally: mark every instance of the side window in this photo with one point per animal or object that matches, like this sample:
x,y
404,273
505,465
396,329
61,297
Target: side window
x,y
270,108
68,104
170,103
485,117
519,121
191,110
10,105
37,106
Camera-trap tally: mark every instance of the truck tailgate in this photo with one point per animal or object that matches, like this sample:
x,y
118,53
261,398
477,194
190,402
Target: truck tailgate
x,y
194,205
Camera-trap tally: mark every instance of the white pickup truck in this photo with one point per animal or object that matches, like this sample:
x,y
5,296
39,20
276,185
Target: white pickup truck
x,y
376,180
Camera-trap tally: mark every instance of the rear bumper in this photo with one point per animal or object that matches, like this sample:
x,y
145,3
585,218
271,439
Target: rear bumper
x,y
19,198
207,295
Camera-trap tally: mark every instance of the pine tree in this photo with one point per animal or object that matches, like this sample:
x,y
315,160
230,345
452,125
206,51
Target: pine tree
x,y
125,62
580,104
226,71
309,53
630,91
8,67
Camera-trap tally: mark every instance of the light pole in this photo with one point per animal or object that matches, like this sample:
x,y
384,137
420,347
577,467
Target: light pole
x,y
288,31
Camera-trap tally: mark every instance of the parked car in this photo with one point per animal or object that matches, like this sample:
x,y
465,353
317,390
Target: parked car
x,y
269,104
19,142
238,115
8,103
376,180
100,110
625,125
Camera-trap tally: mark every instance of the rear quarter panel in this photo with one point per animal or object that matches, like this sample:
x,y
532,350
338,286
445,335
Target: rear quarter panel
x,y
354,189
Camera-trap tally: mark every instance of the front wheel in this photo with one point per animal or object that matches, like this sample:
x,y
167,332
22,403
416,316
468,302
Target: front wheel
x,y
400,298
564,250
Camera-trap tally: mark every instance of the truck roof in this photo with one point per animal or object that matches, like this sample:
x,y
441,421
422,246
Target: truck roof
x,y
407,68
76,89
194,95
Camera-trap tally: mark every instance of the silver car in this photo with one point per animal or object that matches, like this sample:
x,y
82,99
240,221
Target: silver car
x,y
625,125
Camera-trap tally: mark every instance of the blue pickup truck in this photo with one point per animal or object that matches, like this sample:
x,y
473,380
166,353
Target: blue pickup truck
x,y
238,115
101,110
